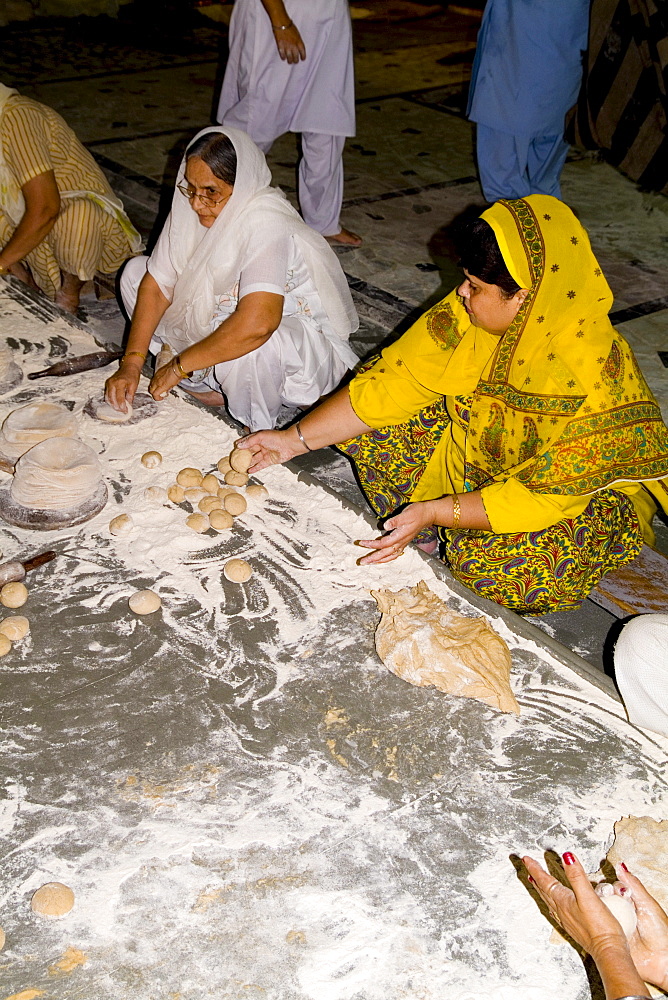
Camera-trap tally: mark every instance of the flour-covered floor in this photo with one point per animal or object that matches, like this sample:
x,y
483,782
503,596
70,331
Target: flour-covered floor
x,y
244,801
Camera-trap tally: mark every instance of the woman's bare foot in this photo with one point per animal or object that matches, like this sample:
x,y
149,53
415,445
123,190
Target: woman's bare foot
x,y
67,296
429,547
345,239
21,272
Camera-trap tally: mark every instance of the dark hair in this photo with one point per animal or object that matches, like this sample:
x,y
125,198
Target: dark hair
x,y
220,156
480,256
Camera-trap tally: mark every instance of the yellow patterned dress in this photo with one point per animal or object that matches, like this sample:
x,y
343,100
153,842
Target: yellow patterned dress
x,y
92,232
553,423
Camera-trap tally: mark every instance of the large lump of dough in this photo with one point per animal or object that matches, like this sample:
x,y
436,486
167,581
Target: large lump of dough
x,y
420,639
28,425
56,474
642,844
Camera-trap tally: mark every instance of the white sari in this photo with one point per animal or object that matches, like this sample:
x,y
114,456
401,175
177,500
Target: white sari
x,y
198,268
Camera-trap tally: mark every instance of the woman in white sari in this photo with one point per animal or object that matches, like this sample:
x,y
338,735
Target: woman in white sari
x,y
253,302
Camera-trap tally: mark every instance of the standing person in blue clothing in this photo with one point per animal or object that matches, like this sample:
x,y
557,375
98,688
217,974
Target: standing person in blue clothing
x,y
526,76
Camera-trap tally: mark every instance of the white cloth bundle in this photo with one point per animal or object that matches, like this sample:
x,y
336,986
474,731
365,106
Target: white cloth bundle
x,y
56,474
192,264
28,425
641,671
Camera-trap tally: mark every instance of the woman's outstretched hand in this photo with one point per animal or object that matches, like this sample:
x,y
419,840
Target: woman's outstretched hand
x,y
579,910
120,388
401,529
585,918
649,943
271,447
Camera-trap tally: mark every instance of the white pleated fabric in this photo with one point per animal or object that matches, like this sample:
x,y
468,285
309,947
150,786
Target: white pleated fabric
x,y
193,265
641,671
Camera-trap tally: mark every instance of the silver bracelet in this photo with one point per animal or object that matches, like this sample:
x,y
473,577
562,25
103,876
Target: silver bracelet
x,y
282,27
301,436
635,996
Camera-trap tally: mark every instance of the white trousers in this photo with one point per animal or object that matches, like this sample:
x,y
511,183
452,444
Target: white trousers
x,y
295,367
641,671
320,179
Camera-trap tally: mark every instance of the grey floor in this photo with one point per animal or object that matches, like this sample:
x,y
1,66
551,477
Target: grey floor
x,y
136,89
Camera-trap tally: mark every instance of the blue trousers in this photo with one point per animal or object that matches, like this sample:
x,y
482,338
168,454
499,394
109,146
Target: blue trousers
x,y
513,166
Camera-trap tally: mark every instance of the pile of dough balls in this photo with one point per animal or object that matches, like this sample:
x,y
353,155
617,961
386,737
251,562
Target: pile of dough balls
x,y
214,503
14,627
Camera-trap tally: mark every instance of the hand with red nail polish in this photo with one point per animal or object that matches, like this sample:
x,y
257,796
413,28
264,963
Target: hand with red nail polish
x,y
587,920
649,944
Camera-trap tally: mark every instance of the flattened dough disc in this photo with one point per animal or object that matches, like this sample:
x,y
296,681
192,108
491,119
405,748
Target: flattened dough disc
x,y
143,406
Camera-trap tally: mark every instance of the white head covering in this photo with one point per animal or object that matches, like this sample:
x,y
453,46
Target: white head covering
x,y
195,264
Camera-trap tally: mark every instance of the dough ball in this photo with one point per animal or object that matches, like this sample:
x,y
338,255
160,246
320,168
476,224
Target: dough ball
x,y
233,478
122,525
622,909
207,504
256,491
14,627
5,644
194,494
144,602
14,595
2,939
235,504
198,522
105,411
224,465
155,494
241,459
151,459
237,570
52,900
210,483
225,491
189,477
220,519
176,493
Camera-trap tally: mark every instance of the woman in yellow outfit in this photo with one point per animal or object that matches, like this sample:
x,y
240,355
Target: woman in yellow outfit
x,y
512,419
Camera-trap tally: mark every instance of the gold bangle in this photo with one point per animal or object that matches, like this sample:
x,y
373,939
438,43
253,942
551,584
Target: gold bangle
x,y
4,270
129,354
179,367
456,511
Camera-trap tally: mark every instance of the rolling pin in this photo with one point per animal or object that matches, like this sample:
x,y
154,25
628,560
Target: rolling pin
x,y
10,571
84,363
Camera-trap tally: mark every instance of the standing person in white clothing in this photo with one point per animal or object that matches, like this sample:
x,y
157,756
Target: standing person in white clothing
x,y
252,302
290,69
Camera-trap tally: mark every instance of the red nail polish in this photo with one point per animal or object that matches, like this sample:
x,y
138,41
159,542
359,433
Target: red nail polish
x,y
569,859
532,879
623,866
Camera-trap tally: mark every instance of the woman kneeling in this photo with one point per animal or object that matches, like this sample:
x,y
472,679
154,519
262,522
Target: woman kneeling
x,y
253,303
511,422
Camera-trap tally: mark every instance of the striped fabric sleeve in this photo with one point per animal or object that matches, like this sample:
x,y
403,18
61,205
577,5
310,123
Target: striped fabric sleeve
x,y
25,143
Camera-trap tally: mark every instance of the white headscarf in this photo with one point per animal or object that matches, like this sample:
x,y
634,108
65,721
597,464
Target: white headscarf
x,y
198,264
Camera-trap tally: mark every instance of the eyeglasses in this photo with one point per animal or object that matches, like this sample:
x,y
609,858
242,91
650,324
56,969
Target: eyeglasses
x,y
206,199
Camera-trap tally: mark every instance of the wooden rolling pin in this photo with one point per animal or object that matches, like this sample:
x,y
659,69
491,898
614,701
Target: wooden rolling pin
x,y
84,363
10,571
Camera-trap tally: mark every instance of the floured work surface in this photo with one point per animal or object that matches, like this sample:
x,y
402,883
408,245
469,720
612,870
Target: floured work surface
x,y
245,802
